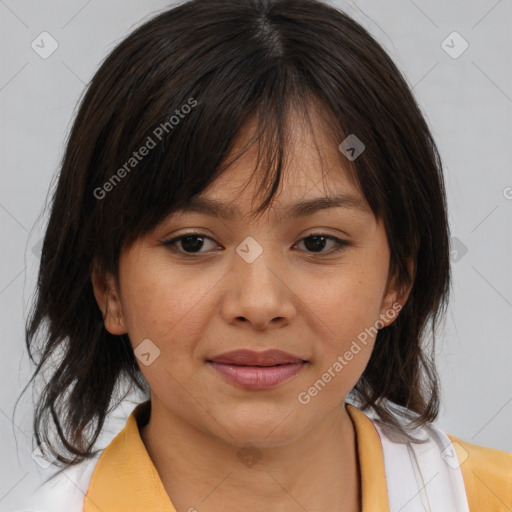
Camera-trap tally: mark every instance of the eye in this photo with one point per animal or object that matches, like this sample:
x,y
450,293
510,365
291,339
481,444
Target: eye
x,y
316,242
191,243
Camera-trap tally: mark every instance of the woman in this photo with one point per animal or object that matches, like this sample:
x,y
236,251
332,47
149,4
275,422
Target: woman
x,y
250,225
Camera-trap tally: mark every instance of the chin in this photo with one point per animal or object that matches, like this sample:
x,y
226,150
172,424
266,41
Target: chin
x,y
257,428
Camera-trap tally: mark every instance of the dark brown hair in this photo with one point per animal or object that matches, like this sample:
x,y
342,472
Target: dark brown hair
x,y
183,84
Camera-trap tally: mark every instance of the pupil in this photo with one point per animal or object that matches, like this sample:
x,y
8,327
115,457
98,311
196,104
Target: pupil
x,y
194,246
315,238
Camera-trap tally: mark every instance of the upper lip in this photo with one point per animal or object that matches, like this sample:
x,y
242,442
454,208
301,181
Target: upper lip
x,y
252,358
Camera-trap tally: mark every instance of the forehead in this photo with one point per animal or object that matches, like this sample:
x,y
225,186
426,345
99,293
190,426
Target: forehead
x,y
313,168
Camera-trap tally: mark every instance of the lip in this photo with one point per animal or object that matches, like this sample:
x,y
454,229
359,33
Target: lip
x,y
257,370
252,358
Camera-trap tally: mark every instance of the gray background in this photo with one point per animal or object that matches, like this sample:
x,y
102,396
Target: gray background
x,y
467,101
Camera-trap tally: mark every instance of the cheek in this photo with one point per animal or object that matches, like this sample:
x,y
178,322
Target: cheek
x,y
161,306
159,303
351,296
346,306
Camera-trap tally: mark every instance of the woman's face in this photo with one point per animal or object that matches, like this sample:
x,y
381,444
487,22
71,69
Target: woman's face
x,y
261,284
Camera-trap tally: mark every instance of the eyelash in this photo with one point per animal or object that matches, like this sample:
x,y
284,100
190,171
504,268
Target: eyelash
x,y
171,244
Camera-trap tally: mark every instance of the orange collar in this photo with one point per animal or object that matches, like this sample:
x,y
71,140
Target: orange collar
x,y
126,479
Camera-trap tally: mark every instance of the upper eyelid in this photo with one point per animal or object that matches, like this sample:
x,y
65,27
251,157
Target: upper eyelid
x,y
205,235
174,240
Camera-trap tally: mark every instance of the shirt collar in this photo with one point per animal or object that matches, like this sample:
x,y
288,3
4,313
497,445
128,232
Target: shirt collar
x,y
126,479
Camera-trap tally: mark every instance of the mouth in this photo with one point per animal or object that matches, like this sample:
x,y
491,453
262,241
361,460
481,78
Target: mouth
x,y
257,370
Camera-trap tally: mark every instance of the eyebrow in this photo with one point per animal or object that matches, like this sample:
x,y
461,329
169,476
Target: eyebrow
x,y
303,208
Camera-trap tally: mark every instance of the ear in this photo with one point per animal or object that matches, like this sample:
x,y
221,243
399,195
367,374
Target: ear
x,y
395,297
107,297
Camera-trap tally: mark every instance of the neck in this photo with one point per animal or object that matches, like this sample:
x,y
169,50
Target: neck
x,y
318,471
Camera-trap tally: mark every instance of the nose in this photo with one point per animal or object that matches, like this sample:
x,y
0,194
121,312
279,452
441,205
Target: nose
x,y
258,295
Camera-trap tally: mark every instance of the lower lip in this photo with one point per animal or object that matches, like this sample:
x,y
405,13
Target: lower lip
x,y
257,377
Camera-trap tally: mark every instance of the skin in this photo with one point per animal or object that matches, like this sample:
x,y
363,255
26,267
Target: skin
x,y
295,297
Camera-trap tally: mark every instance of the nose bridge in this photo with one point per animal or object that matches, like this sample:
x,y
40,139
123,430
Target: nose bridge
x,y
253,266
253,263
257,293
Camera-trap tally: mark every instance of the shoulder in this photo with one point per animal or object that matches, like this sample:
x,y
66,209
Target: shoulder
x,y
64,492
487,475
